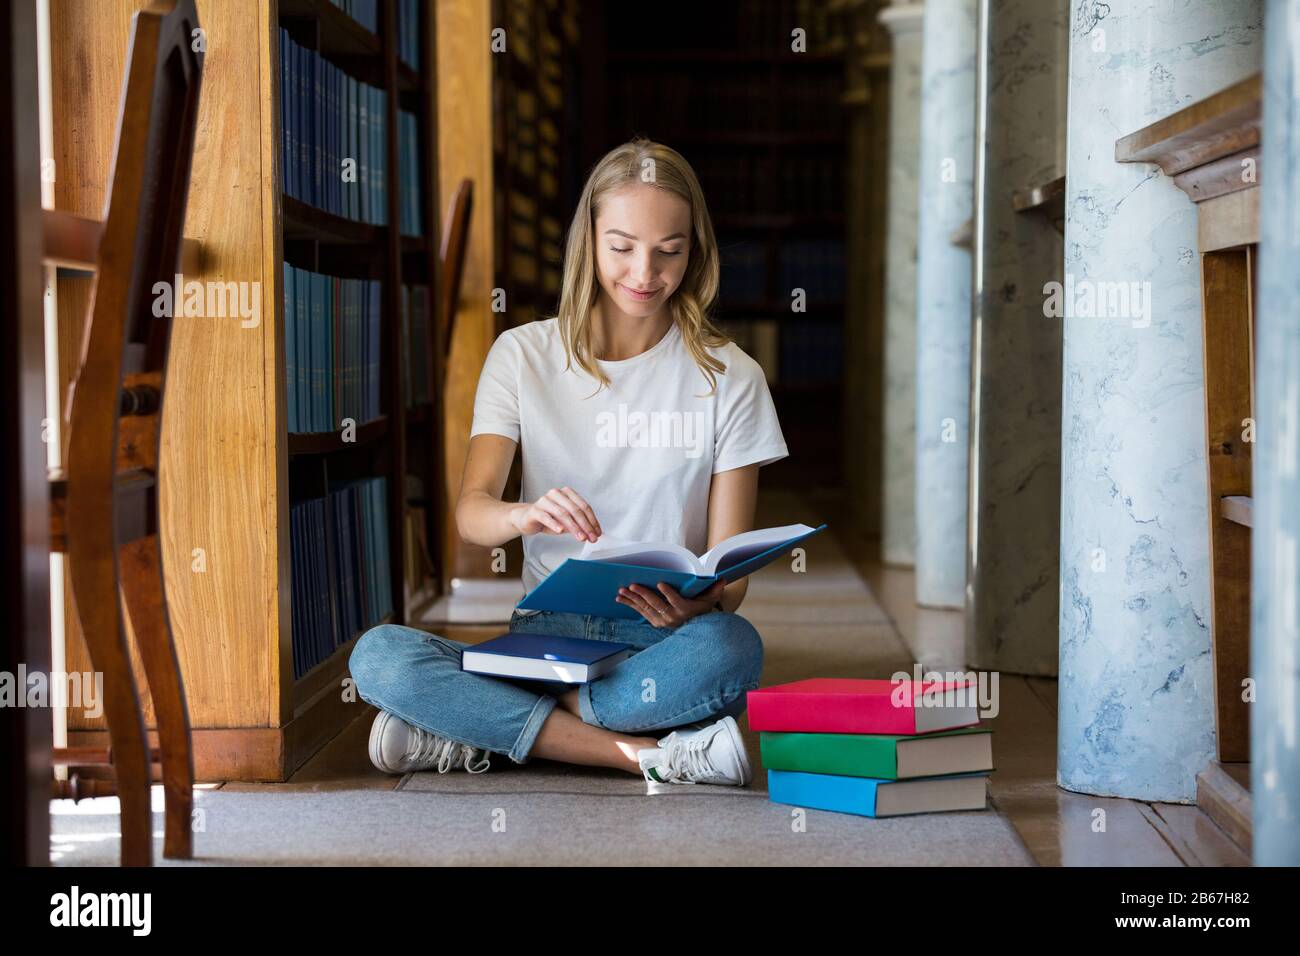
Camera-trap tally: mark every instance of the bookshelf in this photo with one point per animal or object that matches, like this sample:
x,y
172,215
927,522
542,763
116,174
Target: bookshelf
x,y
239,474
764,129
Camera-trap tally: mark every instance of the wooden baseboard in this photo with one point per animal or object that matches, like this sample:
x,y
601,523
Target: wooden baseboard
x,y
257,754
1222,791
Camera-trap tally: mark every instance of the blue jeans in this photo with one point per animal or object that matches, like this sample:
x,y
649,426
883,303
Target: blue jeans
x,y
675,676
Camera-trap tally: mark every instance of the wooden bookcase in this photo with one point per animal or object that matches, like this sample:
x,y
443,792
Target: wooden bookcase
x,y
232,469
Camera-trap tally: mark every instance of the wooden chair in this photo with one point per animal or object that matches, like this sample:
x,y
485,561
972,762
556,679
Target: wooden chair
x,y
105,503
455,243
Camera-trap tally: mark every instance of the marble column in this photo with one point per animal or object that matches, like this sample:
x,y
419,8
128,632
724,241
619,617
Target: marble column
x,y
1275,568
943,300
1014,540
898,456
1136,683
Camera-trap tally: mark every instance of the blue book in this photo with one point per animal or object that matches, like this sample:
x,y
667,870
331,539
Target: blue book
x,y
565,660
300,342
290,359
871,797
589,583
363,151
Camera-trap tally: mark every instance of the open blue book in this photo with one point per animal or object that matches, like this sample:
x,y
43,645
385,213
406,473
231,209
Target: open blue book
x,y
589,583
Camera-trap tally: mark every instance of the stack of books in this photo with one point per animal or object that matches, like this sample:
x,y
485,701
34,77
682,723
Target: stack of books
x,y
876,748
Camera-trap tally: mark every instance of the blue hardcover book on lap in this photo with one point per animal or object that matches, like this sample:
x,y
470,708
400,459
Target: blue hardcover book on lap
x,y
568,660
589,583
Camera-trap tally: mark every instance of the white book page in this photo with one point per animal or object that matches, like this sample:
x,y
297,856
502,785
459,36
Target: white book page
x,y
743,546
649,554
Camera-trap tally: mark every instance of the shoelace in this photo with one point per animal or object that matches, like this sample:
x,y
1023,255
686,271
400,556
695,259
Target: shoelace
x,y
448,753
688,759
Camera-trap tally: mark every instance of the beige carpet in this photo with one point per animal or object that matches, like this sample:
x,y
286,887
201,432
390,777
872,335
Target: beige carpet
x,y
823,622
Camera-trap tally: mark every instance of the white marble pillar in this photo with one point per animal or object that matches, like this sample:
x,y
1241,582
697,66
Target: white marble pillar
x,y
1012,607
1275,557
945,179
898,456
1136,683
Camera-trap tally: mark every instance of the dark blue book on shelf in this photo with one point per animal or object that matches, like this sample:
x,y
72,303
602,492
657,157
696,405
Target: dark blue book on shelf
x,y
290,359
319,346
589,583
326,591
373,351
295,590
363,152
301,341
546,657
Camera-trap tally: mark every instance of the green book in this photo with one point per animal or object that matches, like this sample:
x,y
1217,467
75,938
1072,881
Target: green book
x,y
881,756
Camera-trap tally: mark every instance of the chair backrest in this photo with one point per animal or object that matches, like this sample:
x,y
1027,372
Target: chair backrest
x,y
455,242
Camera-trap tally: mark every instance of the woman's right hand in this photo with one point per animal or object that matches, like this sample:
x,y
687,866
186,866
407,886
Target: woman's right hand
x,y
559,511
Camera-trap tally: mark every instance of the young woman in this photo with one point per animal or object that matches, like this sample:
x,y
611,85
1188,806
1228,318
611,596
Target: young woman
x,y
632,344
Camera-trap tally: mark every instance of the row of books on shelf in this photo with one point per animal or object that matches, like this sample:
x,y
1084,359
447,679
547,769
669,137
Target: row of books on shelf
x,y
792,353
739,181
416,331
735,103
814,265
750,26
333,136
812,353
331,349
365,12
767,25
408,32
874,748
411,216
341,574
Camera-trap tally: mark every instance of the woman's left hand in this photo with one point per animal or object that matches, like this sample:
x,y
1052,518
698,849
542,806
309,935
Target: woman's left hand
x,y
667,608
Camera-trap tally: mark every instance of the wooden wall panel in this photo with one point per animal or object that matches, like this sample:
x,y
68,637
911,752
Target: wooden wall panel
x,y
219,489
465,150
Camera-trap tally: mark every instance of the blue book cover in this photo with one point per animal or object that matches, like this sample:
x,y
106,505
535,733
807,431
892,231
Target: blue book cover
x,y
583,586
861,795
544,654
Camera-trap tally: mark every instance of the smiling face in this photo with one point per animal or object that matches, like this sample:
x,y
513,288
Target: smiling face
x,y
642,242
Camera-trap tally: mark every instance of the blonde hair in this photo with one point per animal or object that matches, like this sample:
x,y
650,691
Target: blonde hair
x,y
690,302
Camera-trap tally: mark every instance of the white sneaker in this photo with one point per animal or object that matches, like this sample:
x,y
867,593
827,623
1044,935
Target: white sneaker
x,y
714,754
397,747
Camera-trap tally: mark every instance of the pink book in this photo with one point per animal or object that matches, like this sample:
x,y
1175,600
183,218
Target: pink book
x,y
836,705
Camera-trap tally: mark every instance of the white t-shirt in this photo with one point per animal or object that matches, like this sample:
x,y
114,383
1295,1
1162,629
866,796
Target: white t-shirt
x,y
641,452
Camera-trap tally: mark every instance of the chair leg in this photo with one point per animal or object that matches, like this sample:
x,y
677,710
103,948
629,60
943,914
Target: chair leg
x,y
140,567
94,589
